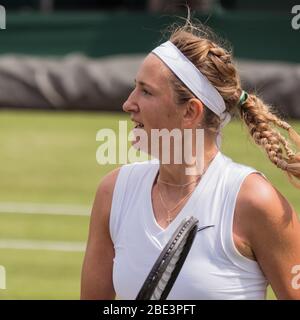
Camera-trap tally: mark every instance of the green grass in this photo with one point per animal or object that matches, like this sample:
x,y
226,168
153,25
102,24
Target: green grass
x,y
50,152
50,157
41,274
47,227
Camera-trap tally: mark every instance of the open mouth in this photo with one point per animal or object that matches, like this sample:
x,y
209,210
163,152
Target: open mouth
x,y
138,125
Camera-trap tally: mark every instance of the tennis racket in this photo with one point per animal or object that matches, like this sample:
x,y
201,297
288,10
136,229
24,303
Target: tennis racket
x,y
165,270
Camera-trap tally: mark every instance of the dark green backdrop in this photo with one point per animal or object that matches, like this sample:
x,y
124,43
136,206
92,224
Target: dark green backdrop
x,y
254,35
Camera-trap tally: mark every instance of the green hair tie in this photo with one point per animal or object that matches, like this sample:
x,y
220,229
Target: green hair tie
x,y
243,98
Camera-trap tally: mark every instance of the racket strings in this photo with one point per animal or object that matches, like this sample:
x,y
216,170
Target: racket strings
x,y
170,249
167,266
168,272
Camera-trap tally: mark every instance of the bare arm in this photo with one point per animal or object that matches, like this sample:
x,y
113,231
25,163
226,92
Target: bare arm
x,y
273,231
96,275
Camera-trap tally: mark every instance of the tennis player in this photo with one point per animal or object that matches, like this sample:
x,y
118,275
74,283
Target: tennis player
x,y
249,234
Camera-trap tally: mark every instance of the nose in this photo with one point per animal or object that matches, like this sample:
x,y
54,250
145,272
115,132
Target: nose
x,y
130,105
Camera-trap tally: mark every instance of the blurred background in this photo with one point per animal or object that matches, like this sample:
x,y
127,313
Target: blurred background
x,y
66,67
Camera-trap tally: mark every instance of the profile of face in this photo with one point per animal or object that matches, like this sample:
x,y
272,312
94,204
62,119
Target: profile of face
x,y
152,102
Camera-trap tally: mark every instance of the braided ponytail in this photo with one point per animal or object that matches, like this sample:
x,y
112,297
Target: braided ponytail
x,y
200,46
262,125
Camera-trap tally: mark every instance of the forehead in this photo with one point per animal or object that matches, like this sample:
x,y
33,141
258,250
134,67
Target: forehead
x,y
153,71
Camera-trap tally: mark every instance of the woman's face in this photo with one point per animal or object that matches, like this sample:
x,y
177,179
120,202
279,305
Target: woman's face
x,y
151,103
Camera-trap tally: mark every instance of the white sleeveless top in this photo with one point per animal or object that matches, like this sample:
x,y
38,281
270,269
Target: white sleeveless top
x,y
214,269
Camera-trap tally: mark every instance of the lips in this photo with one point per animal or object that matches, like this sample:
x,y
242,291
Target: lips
x,y
137,124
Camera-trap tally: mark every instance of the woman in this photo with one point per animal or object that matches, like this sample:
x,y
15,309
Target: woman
x,y
190,82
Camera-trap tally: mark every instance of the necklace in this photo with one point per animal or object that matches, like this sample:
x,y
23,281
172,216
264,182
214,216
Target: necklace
x,y
170,218
178,185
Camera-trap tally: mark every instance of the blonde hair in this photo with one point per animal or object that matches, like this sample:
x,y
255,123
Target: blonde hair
x,y
200,46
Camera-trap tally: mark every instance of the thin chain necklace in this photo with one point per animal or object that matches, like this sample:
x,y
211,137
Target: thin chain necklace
x,y
178,185
170,218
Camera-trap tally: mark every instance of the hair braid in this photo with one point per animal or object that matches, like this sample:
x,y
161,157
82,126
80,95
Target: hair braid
x,y
262,124
198,44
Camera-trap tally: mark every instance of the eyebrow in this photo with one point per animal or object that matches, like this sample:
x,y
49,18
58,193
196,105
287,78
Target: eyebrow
x,y
142,83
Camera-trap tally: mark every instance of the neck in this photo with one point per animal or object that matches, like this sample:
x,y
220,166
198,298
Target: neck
x,y
176,173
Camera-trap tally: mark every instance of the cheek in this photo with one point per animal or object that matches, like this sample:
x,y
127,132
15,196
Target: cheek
x,y
160,114
169,115
173,118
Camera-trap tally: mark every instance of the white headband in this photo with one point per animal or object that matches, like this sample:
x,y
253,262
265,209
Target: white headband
x,y
199,85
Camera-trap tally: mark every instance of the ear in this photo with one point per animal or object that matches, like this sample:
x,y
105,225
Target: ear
x,y
193,113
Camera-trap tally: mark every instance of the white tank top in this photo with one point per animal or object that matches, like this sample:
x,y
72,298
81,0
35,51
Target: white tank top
x,y
214,269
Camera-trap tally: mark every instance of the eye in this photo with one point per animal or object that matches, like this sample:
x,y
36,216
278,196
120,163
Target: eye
x,y
145,92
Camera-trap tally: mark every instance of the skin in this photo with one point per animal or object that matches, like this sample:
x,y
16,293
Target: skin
x,y
265,227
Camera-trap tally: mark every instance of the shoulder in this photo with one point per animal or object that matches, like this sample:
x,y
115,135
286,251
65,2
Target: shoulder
x,y
106,187
272,231
103,198
262,210
260,199
108,182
